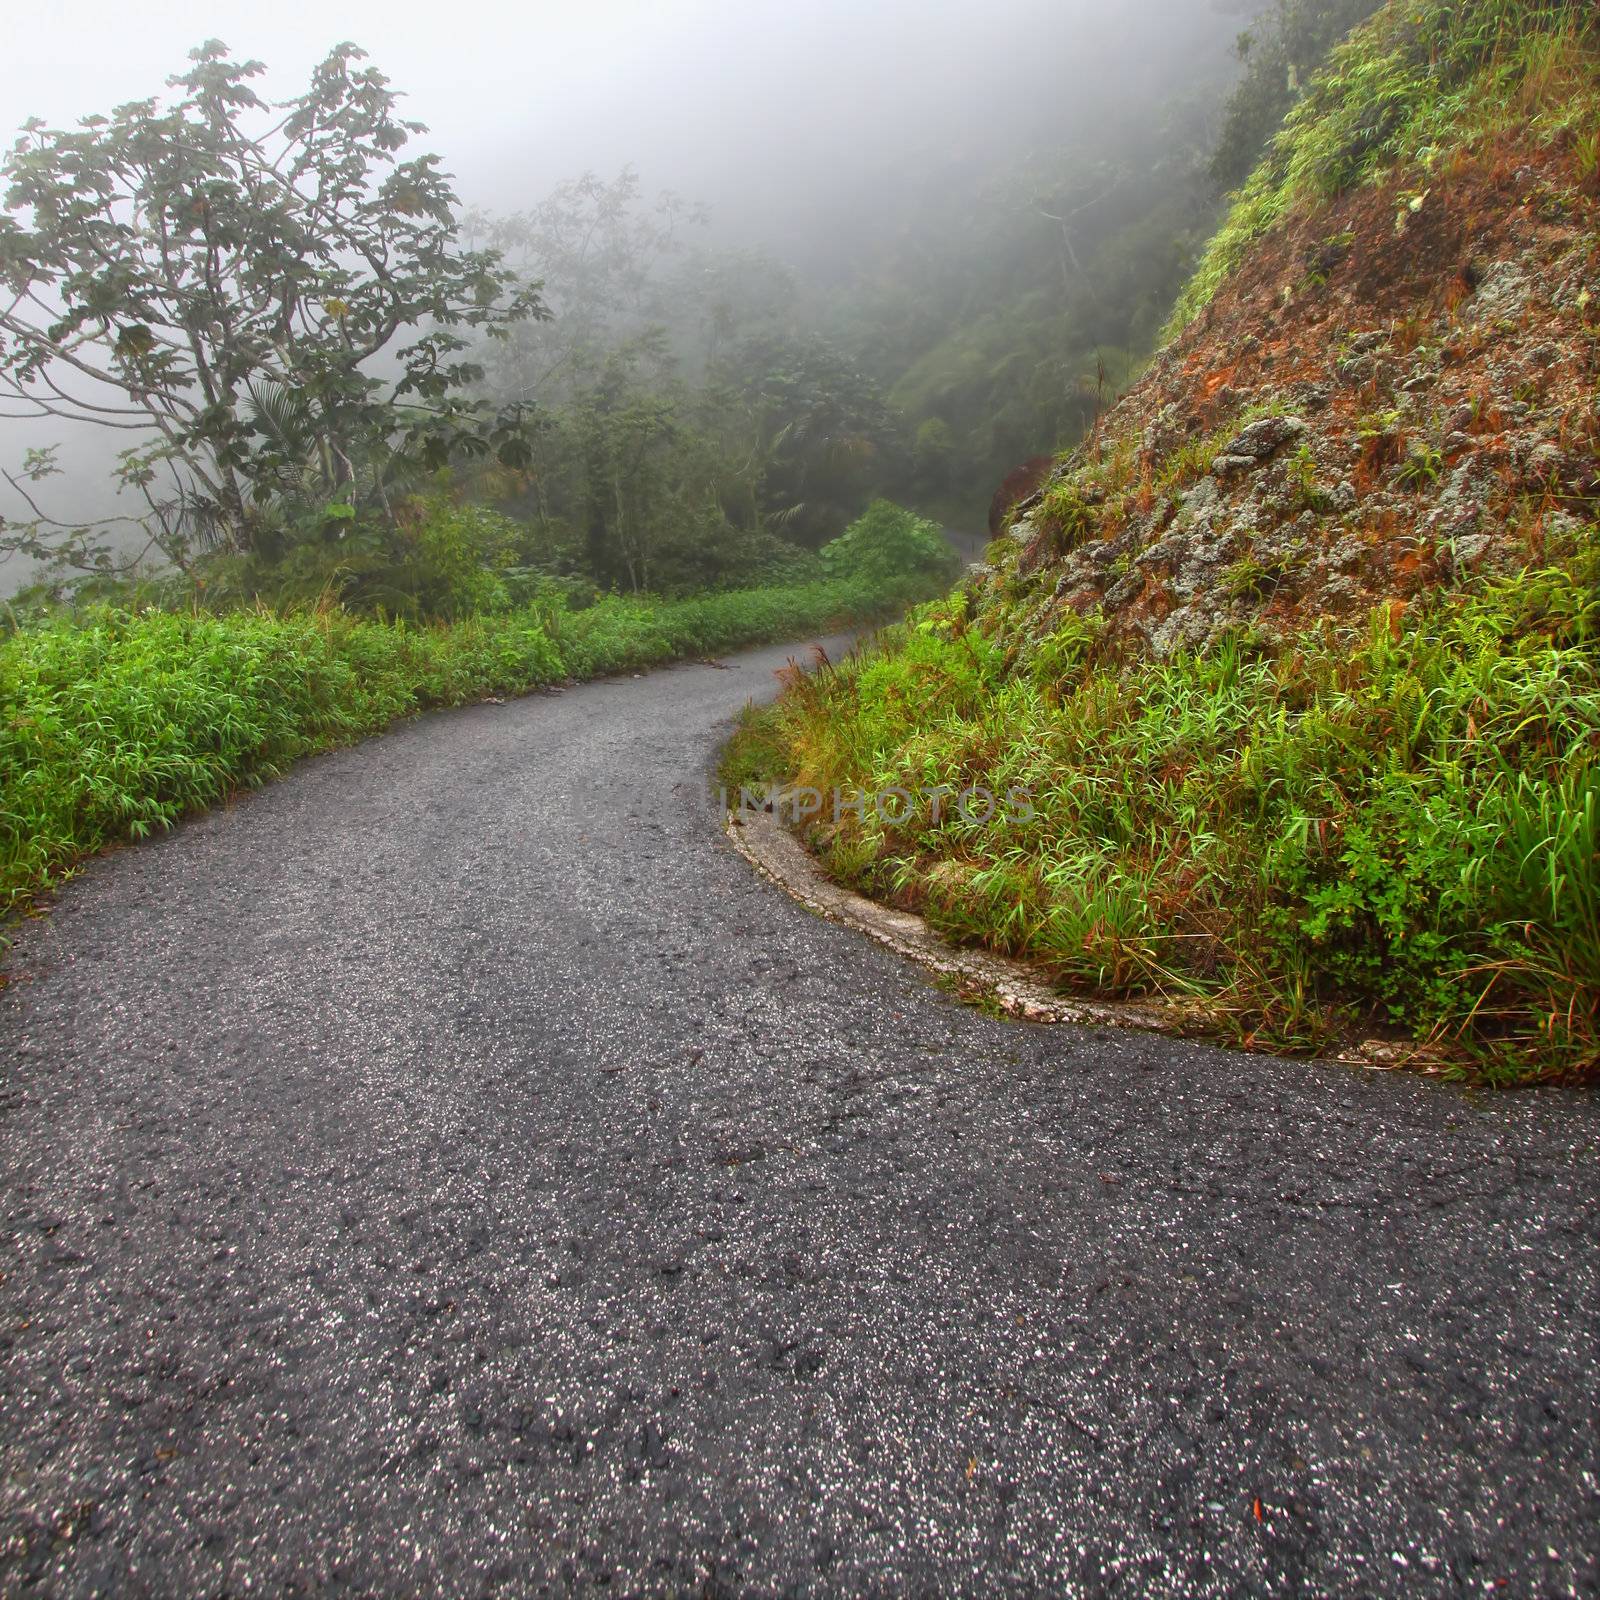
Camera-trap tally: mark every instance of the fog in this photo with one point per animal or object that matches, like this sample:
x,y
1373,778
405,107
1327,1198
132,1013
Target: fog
x,y
778,115
813,132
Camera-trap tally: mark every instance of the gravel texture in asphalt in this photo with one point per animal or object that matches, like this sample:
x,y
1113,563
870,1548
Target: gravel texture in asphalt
x,y
452,1171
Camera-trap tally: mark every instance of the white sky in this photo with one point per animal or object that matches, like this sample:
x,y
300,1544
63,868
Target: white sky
x,y
717,98
468,67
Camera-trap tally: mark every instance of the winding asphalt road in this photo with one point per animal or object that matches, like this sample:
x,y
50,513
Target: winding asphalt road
x,y
449,1172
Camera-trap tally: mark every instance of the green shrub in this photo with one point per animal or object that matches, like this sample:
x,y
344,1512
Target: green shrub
x,y
888,542
459,554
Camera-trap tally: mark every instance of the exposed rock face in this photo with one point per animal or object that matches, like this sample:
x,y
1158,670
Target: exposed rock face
x,y
1264,439
1429,409
1018,485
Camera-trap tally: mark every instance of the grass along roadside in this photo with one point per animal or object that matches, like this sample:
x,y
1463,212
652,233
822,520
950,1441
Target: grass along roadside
x,y
116,724
1396,825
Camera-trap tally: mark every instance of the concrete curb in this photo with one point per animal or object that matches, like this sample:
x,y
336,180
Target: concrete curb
x,y
1014,986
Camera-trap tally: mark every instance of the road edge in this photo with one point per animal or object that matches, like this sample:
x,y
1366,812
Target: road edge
x,y
1013,986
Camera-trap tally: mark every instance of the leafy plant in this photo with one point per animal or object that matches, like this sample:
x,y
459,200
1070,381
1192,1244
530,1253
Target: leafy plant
x,y
888,542
1420,467
1383,443
1069,518
1251,577
171,270
1309,495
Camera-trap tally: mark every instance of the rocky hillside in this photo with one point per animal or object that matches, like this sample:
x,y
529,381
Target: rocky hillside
x,y
1390,389
1298,658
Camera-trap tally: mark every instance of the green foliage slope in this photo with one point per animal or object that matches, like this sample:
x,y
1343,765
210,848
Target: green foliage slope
x,y
1400,828
1415,86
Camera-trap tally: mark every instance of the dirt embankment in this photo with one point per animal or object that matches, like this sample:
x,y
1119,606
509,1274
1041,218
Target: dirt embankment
x,y
1394,392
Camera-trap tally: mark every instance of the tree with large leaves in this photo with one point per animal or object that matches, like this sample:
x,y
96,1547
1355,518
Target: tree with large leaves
x,y
269,299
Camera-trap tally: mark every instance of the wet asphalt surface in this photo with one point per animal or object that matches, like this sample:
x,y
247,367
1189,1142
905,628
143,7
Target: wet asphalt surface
x,y
450,1171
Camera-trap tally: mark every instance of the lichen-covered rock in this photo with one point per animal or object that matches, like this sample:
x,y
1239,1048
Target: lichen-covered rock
x,y
1124,590
1504,289
1547,464
1184,629
1265,438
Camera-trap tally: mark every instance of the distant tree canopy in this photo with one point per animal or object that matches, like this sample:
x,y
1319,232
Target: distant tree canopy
x,y
1011,308
827,433
223,278
1014,308
598,249
656,461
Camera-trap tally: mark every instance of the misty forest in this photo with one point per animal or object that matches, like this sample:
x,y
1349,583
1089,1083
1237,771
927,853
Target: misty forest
x,y
1017,594
333,380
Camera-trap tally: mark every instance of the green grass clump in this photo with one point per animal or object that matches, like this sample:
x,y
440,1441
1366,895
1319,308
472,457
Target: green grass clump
x,y
1400,825
622,634
117,723
1422,80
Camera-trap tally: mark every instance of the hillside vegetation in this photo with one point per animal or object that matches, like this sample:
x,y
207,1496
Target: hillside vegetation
x,y
1299,654
116,722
